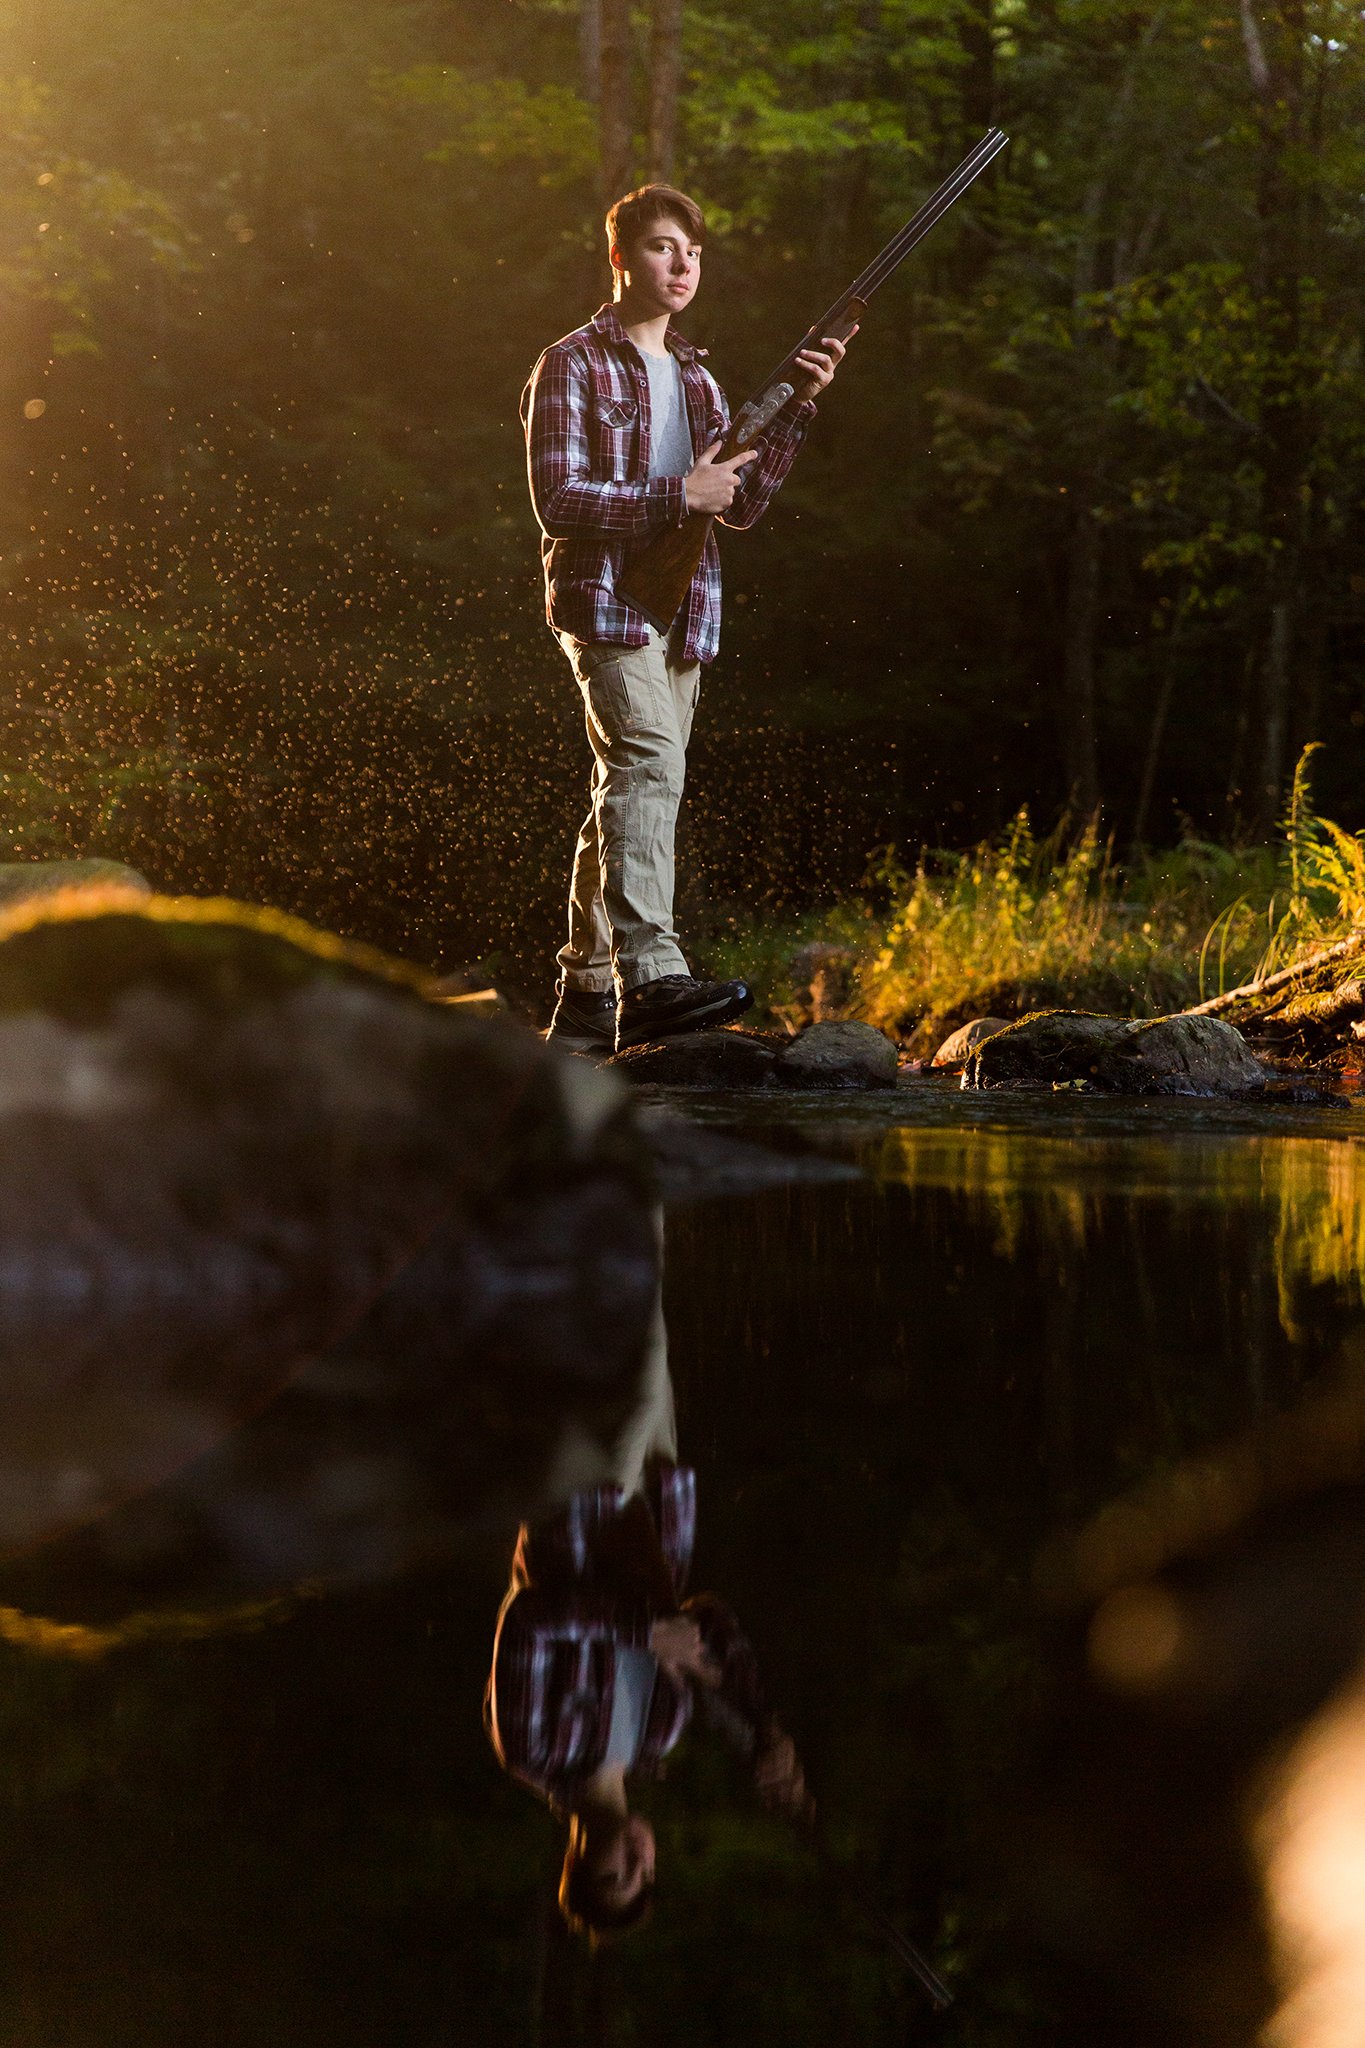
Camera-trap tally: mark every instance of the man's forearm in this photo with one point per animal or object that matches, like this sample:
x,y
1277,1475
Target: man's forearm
x,y
577,508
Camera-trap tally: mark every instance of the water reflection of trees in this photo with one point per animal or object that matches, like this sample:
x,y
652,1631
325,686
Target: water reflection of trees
x,y
1015,1328
892,1395
1056,1189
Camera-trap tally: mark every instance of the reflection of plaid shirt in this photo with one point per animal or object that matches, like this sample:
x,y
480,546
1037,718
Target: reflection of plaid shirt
x,y
554,1660
586,413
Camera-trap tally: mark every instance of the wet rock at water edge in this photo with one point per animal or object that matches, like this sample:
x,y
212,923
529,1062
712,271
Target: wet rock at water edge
x,y
957,1050
1200,1056
839,1055
700,1059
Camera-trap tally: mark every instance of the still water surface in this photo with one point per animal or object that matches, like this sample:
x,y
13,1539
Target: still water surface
x,y
895,1388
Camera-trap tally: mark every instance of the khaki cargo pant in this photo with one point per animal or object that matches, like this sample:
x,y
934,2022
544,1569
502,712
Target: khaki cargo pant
x,y
639,703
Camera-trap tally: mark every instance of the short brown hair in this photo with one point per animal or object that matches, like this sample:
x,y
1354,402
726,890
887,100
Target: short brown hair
x,y
632,217
583,1909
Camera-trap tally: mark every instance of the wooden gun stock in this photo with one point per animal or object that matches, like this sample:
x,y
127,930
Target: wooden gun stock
x,y
656,580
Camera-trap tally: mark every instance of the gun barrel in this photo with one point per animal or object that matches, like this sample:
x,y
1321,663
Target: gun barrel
x,y
898,248
656,580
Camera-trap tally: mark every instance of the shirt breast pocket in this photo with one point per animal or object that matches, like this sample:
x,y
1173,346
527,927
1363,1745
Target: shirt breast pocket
x,y
614,436
615,414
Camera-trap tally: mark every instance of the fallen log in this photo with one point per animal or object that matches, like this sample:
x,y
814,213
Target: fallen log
x,y
1317,1012
1251,991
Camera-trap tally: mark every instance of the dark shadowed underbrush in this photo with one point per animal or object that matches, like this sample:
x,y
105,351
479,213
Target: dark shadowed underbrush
x,y
1018,923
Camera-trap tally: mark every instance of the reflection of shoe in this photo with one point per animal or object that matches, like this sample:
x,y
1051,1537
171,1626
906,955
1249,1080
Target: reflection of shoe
x,y
584,1015
676,1002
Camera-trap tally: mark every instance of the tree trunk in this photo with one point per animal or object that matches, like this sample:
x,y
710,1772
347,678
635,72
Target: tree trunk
x,y
614,97
1275,38
1160,717
1078,666
665,75
590,49
1079,745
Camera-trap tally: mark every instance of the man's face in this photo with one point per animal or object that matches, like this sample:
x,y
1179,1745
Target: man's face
x,y
661,270
624,1863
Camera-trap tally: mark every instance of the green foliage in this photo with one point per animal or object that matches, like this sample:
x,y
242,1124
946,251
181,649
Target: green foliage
x,y
278,293
1017,923
502,120
1323,899
1023,923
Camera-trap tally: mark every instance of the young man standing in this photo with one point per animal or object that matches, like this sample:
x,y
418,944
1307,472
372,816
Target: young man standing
x,y
623,428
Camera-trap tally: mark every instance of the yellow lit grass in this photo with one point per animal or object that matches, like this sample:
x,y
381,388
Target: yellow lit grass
x,y
1019,923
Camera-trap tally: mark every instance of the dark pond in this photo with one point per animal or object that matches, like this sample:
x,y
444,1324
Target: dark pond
x,y
896,1388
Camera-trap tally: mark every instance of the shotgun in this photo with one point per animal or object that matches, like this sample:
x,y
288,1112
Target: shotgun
x,y
738,1732
658,578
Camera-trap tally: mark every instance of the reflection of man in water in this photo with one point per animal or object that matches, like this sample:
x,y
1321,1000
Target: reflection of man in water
x,y
598,1667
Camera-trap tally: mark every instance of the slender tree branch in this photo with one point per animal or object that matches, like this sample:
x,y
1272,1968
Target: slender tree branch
x,y
1256,58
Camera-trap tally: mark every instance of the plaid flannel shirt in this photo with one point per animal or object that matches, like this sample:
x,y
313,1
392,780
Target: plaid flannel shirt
x,y
550,1695
586,414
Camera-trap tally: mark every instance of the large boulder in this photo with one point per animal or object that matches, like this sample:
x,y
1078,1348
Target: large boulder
x,y
699,1059
838,1055
1157,1056
331,1266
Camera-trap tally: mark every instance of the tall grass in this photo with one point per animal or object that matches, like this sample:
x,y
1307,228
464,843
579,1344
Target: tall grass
x,y
1019,922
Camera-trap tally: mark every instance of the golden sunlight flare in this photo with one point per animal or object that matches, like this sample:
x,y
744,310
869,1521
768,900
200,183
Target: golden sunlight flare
x,y
1310,1838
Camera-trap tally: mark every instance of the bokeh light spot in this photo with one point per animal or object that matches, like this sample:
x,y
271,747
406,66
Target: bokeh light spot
x,y
1135,1638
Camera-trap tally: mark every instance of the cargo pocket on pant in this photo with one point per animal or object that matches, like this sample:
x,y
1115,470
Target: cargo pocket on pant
x,y
607,694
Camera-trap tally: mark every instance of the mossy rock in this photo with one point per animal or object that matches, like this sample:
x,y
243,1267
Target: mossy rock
x,y
231,1146
1152,1056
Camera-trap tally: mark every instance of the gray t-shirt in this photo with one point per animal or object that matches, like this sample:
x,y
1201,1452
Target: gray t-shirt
x,y
635,1673
670,437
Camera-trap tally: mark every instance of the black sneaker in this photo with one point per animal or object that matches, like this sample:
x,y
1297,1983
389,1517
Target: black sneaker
x,y
676,1002
584,1016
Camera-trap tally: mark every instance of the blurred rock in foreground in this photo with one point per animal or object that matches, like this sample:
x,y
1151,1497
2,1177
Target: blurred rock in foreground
x,y
300,1272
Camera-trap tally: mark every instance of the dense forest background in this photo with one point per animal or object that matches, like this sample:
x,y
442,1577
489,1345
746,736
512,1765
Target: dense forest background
x,y
1078,527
